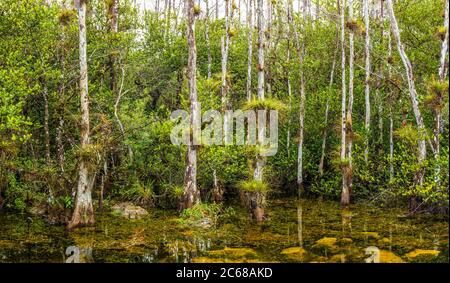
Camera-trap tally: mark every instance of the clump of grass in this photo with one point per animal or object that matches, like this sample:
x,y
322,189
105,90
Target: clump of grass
x,y
141,194
253,186
437,91
355,26
265,104
232,32
66,16
197,10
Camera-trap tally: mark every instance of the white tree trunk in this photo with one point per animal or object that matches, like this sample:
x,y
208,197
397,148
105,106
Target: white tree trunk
x,y
208,43
345,193
260,160
350,98
225,47
412,92
391,117
250,49
301,53
438,115
289,12
191,195
84,212
367,80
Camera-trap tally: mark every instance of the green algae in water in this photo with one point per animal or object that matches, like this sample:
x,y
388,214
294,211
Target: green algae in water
x,y
326,234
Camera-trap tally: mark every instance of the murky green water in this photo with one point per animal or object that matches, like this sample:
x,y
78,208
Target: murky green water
x,y
315,231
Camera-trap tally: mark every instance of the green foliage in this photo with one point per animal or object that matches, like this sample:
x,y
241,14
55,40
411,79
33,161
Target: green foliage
x,y
146,62
253,186
265,104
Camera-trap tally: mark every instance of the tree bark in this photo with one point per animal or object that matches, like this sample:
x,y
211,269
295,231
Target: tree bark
x,y
191,194
412,94
46,127
208,43
301,53
260,160
113,13
250,49
84,212
367,80
289,9
378,83
345,193
349,138
437,111
391,117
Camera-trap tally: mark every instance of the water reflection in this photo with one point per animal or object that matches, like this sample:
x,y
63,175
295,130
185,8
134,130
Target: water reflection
x,y
297,231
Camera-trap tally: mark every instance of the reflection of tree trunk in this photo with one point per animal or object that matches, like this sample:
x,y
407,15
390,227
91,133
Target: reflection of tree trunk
x,y
191,194
255,202
413,97
300,224
84,212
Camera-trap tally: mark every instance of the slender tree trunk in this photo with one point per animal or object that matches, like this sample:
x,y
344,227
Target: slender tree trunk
x,y
288,78
256,199
345,194
62,89
46,127
113,13
367,80
327,105
378,83
260,160
191,194
301,54
116,114
268,49
437,111
167,29
391,117
60,144
208,43
349,121
217,9
84,212
413,95
225,47
250,49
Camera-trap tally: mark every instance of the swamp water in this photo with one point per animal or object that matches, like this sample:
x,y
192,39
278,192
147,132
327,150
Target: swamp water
x,y
315,231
